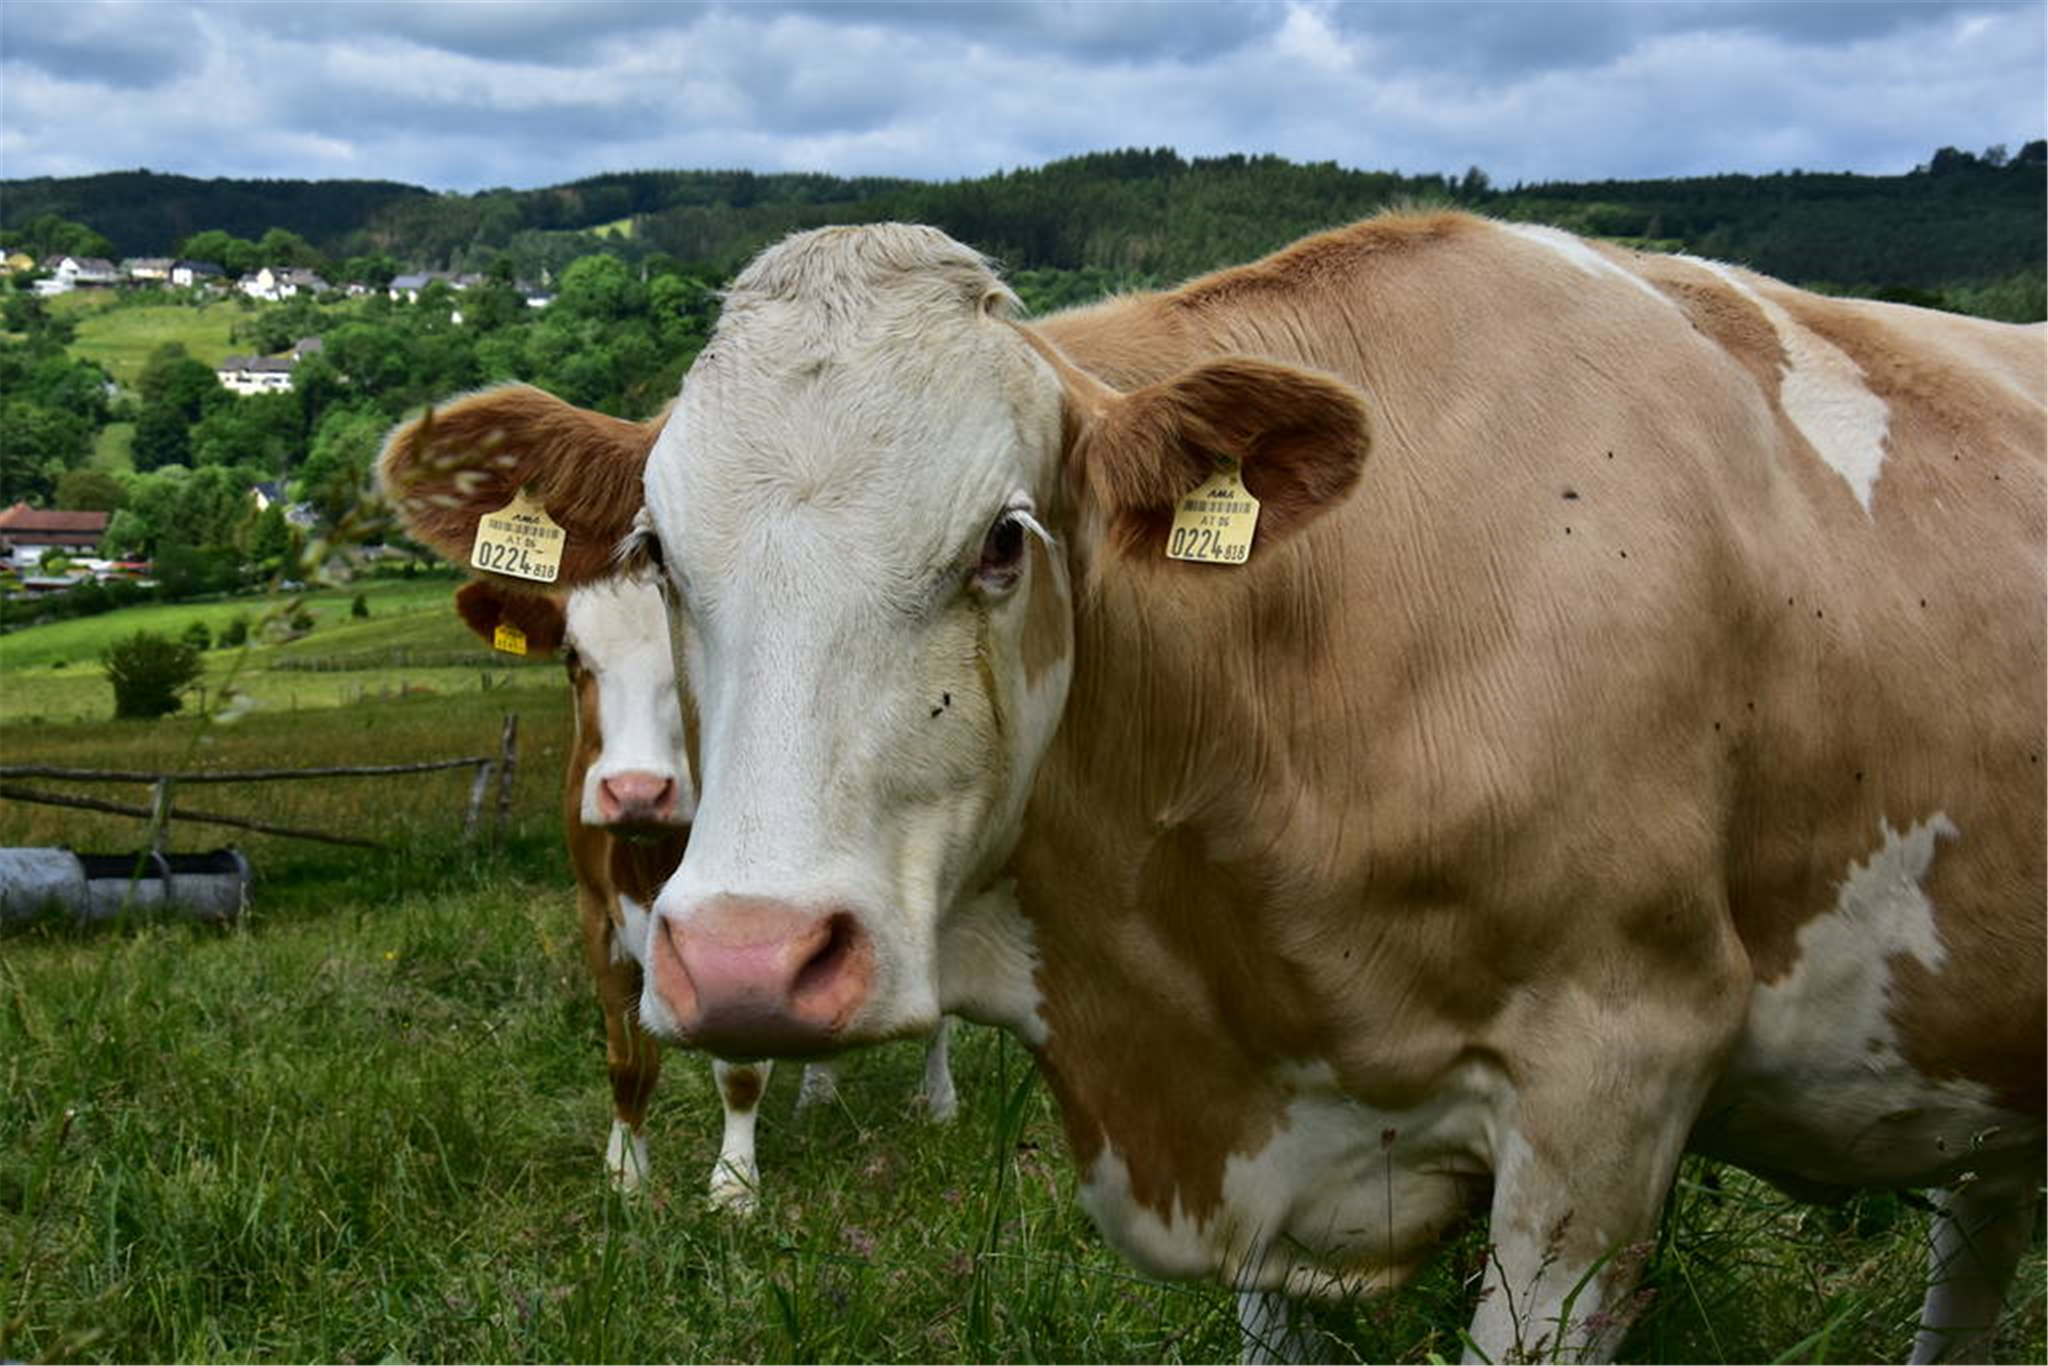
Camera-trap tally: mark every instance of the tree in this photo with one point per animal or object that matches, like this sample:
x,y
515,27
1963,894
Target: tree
x,y
235,255
148,673
176,391
337,468
90,491
37,446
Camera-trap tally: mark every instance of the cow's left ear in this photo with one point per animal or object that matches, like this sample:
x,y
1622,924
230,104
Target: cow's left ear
x,y
1299,439
444,471
484,607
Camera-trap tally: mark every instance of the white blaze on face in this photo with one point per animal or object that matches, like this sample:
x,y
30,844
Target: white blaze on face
x,y
1824,394
619,630
824,492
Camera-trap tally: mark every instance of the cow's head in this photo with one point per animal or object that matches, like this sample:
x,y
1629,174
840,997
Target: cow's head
x,y
613,635
878,500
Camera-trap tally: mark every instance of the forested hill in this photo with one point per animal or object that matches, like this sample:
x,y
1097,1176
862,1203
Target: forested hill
x,y
1962,219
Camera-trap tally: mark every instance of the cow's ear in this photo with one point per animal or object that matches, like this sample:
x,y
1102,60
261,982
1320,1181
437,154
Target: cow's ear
x,y
445,470
484,607
1299,440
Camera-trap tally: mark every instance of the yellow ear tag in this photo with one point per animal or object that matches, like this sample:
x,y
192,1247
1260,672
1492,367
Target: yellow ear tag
x,y
519,539
509,638
1214,523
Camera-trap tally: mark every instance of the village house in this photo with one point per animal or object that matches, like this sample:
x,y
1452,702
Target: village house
x,y
265,374
27,534
186,274
147,270
274,285
62,274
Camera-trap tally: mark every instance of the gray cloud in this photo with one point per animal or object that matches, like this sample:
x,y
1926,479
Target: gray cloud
x,y
464,95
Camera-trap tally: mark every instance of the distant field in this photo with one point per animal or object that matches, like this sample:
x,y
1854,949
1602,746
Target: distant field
x,y
121,339
618,227
412,643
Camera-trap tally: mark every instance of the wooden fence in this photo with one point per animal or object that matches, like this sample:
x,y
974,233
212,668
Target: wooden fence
x,y
161,812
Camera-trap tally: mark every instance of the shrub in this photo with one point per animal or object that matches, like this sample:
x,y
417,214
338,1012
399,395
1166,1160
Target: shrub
x,y
148,672
198,636
360,607
234,633
301,619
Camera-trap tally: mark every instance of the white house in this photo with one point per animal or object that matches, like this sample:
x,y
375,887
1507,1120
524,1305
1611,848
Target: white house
x,y
185,274
147,270
275,285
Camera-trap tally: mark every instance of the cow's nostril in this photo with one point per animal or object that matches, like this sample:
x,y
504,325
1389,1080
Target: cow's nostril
x,y
829,959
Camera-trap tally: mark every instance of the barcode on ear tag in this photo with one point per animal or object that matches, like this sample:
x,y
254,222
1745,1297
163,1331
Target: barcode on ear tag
x,y
1214,523
519,540
509,638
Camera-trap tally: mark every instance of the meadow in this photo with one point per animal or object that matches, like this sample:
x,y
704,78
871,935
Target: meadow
x,y
366,1122
121,339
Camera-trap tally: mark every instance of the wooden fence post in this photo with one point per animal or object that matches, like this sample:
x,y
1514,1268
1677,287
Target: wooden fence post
x,y
508,768
476,800
160,814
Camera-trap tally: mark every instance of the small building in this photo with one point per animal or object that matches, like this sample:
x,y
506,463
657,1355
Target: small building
x,y
17,263
29,533
147,270
303,516
186,274
275,285
256,374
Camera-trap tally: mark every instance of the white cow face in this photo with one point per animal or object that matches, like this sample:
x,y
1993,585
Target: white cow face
x,y
853,499
616,635
613,634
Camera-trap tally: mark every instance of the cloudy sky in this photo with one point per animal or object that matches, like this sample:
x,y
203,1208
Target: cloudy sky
x,y
460,96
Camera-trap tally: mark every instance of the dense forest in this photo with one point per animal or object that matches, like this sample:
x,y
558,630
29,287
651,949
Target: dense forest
x,y
1147,214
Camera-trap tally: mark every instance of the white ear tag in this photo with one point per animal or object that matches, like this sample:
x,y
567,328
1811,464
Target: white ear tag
x,y
519,540
1213,524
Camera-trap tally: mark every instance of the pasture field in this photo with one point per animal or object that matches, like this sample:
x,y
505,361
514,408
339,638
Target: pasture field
x,y
411,644
121,339
366,1123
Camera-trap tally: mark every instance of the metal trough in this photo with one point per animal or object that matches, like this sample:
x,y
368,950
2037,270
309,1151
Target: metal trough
x,y
92,887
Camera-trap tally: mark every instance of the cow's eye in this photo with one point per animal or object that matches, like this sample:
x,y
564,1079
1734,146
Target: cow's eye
x,y
1002,553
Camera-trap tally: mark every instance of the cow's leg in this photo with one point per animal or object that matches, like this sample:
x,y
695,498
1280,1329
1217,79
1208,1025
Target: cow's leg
x,y
1272,1328
736,1180
1583,1161
820,1087
1979,1233
631,1057
941,1103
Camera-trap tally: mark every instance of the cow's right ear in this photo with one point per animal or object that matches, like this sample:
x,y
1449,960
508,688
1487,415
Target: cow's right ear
x,y
484,607
442,472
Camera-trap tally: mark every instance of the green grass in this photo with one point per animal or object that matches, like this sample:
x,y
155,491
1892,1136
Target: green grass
x,y
367,1123
121,339
411,642
113,450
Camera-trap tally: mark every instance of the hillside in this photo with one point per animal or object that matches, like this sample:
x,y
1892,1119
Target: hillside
x,y
1147,213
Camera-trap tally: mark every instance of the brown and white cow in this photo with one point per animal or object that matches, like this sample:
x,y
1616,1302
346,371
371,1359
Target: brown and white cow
x,y
1625,734
627,800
